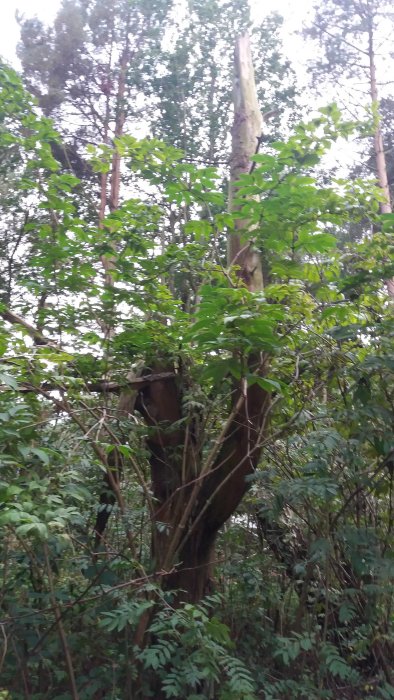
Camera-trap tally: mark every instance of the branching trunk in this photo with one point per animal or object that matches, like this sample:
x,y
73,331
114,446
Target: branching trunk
x,y
194,496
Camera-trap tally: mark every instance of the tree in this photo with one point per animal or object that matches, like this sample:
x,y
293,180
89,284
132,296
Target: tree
x,y
262,372
368,167
188,510
82,26
348,32
200,494
74,68
89,71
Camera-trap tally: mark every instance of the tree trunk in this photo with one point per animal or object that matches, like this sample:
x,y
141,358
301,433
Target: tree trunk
x,y
194,496
246,134
380,159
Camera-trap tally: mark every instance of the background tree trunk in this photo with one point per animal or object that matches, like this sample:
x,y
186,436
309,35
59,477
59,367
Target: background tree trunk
x,y
380,158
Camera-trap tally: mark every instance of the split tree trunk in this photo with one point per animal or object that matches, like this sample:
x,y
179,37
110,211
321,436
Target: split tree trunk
x,y
246,134
194,496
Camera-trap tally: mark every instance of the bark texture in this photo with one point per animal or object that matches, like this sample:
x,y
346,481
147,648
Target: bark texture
x,y
246,133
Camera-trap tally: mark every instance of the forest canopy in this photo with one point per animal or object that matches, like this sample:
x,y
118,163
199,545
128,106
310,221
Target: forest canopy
x,y
196,356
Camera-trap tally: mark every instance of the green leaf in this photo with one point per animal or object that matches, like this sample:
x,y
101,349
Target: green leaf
x,y
8,380
269,385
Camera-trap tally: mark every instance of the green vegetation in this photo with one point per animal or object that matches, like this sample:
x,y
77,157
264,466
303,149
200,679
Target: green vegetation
x,y
196,483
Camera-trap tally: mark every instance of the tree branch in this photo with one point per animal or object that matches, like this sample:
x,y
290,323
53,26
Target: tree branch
x,y
99,387
34,333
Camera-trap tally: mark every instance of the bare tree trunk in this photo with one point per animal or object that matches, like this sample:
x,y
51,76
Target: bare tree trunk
x,y
380,159
119,124
246,133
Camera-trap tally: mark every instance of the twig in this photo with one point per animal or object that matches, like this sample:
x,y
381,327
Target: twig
x,y
3,632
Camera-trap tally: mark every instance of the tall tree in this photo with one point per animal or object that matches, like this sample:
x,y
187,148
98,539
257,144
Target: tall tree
x,y
100,70
349,33
202,491
74,68
91,66
387,128
89,72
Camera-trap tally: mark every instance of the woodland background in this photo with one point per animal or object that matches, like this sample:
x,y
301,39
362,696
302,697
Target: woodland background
x,y
196,358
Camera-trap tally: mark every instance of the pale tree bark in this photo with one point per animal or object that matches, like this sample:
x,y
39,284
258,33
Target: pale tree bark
x,y
120,122
246,134
380,158
115,181
107,118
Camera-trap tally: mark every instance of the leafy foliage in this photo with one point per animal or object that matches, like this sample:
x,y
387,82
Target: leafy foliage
x,y
304,567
